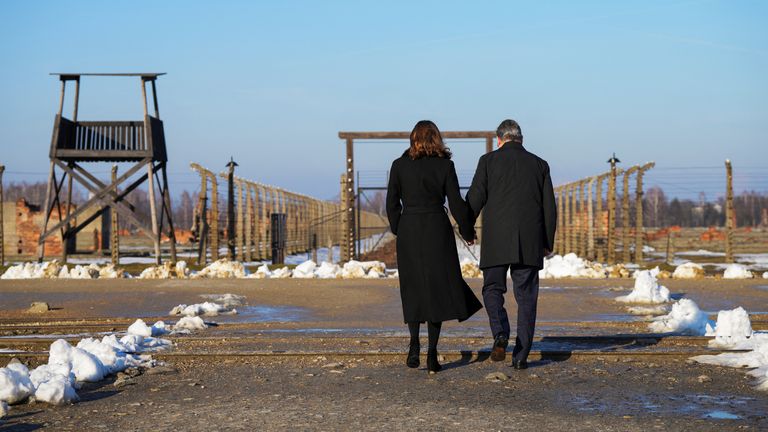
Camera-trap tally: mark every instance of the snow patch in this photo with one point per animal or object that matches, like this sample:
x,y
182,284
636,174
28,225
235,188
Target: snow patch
x,y
689,270
647,289
684,318
54,270
207,309
221,269
571,266
732,329
189,323
166,271
737,271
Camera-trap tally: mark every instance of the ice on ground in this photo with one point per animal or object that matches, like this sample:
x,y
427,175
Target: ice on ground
x,y
689,270
571,266
139,327
647,289
228,300
648,310
684,318
190,323
166,271
305,270
737,271
15,385
206,308
732,329
470,268
328,270
221,269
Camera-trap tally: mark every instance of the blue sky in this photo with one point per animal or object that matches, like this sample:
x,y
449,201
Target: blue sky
x,y
271,83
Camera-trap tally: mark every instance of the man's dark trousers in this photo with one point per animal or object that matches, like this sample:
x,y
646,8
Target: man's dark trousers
x,y
525,283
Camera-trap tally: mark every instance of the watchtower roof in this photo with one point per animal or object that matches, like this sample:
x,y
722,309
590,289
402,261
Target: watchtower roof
x,y
74,75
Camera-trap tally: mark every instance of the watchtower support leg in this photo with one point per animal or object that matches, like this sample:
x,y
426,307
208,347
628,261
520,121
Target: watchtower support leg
x,y
153,208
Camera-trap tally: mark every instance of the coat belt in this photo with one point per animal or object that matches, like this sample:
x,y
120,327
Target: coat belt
x,y
437,208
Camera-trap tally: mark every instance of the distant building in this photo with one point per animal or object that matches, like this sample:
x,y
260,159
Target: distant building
x,y
23,221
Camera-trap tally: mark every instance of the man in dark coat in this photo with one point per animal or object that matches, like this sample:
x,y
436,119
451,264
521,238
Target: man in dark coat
x,y
513,188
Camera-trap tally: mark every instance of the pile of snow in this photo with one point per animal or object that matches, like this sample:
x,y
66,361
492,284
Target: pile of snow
x,y
281,273
737,271
689,270
328,270
189,323
756,359
684,318
166,271
363,269
140,328
470,268
3,409
54,270
732,329
765,275
15,385
647,289
206,308
571,266
90,361
305,270
221,269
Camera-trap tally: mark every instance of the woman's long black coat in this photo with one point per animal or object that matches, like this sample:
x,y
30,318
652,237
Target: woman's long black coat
x,y
431,285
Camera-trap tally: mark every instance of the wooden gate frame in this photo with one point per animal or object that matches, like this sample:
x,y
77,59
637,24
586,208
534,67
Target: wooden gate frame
x,y
349,242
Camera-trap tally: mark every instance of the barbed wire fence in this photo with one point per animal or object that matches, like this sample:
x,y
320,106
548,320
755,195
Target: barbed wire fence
x,y
671,198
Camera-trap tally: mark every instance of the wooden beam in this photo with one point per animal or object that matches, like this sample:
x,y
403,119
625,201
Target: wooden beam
x,y
407,135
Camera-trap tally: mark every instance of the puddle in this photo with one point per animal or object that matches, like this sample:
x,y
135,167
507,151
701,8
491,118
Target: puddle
x,y
721,415
267,314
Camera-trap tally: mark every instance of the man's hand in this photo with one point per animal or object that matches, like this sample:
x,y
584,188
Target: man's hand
x,y
547,252
474,237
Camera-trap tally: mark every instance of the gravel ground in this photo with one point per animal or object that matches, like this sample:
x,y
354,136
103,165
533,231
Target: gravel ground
x,y
323,393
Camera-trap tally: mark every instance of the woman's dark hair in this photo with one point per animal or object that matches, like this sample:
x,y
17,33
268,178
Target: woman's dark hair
x,y
427,141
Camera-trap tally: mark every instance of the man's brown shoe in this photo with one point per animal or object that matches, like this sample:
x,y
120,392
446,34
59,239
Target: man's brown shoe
x,y
499,351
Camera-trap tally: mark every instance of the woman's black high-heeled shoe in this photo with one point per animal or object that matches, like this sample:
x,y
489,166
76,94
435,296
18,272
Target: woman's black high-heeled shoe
x,y
413,356
432,365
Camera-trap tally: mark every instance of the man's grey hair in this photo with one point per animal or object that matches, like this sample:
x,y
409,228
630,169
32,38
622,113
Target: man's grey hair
x,y
509,130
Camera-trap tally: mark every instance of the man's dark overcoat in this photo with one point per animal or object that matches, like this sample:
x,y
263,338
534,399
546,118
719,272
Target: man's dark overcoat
x,y
513,189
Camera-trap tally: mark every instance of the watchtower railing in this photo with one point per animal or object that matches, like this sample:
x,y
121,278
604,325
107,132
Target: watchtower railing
x,y
108,140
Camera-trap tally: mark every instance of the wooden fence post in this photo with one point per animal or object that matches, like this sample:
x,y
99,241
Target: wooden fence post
x,y
574,219
590,220
582,219
115,227
559,243
600,256
639,229
612,210
2,231
214,218
729,213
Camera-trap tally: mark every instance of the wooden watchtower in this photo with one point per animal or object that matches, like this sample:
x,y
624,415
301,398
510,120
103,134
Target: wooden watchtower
x,y
140,143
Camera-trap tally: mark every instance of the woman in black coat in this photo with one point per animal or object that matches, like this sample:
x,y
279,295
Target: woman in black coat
x,y
431,286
